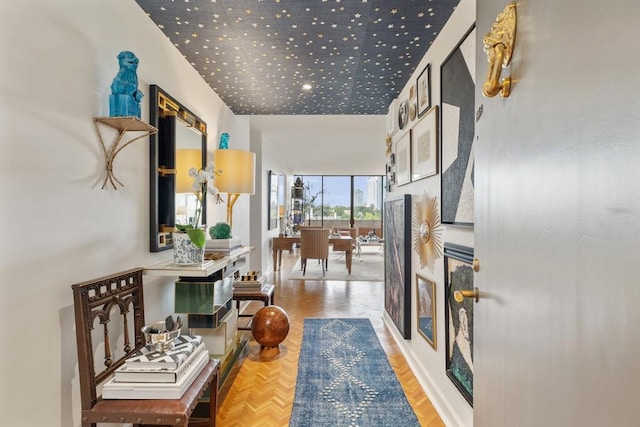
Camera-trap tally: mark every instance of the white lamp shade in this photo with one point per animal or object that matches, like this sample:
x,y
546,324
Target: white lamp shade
x,y
186,158
238,171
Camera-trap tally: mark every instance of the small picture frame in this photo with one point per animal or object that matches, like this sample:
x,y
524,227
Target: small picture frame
x,y
403,153
423,85
424,146
426,304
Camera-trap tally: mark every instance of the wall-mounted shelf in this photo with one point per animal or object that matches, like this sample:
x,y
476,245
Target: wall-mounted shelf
x,y
122,125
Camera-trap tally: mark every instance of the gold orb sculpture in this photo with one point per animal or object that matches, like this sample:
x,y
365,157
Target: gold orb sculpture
x,y
426,230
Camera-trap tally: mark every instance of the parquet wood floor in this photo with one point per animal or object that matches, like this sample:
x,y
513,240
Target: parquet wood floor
x,y
262,393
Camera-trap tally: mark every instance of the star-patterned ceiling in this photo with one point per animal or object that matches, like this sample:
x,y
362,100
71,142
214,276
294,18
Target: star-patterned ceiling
x,y
357,55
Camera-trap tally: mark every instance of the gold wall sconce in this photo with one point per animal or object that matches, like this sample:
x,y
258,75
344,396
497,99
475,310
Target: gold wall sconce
x,y
498,44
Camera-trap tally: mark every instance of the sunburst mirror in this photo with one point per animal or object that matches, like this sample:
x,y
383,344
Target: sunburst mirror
x,y
426,230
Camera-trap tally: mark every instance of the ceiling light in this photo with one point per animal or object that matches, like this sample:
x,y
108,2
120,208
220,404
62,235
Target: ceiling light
x,y
306,86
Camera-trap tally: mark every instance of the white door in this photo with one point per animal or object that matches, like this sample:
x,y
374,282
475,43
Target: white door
x,y
557,233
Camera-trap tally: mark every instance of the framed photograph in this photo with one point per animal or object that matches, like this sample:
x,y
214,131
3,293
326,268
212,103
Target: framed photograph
x,y
424,90
397,262
457,126
424,146
458,266
426,309
272,201
403,159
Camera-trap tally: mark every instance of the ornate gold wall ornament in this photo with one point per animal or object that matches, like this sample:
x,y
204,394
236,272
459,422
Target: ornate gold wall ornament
x,y
426,230
498,44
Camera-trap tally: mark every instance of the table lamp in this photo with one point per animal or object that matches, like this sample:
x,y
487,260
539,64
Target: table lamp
x,y
237,176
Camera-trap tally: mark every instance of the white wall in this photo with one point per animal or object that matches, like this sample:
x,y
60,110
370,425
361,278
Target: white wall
x,y
429,365
60,228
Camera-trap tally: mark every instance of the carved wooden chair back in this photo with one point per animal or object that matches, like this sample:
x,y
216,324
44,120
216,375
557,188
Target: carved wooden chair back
x,y
118,300
314,244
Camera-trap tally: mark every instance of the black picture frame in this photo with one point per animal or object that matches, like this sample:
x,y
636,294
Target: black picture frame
x,y
272,200
458,272
457,132
423,90
397,262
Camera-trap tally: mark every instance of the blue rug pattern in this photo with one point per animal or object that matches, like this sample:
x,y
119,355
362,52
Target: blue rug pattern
x,y
345,379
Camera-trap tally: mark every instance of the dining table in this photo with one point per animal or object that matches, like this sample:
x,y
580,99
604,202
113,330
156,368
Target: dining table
x,y
285,243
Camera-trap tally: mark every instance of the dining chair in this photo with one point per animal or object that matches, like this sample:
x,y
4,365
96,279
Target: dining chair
x,y
118,301
314,244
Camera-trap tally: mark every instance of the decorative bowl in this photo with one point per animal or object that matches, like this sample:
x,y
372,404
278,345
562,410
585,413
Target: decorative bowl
x,y
158,337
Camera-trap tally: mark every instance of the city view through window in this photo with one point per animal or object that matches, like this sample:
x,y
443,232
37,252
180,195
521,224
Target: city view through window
x,y
343,202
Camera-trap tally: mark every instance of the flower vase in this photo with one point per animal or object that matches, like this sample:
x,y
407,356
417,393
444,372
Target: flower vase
x,y
184,251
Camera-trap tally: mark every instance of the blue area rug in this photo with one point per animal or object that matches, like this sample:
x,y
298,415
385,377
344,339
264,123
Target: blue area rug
x,y
344,378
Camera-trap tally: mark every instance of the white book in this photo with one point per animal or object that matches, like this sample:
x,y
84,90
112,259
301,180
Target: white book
x,y
117,390
234,242
147,358
129,373
248,283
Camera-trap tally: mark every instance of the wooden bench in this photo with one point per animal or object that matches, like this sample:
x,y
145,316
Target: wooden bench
x,y
265,294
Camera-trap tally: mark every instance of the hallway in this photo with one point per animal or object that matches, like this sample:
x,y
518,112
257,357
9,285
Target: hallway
x,y
263,392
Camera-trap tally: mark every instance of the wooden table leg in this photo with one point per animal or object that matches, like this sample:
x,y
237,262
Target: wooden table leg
x,y
348,259
275,259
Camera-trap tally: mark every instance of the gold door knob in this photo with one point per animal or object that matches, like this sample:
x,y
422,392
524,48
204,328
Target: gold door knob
x,y
459,296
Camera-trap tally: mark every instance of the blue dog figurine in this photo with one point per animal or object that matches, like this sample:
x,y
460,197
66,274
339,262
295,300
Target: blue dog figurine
x,y
125,96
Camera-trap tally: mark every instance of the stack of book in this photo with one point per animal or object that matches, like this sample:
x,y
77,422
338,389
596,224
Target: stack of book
x,y
149,374
250,282
224,246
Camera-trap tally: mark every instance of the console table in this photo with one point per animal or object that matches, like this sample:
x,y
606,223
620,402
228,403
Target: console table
x,y
340,243
205,293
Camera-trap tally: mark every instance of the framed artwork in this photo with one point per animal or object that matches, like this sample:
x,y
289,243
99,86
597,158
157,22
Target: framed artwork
x,y
397,262
426,309
392,117
424,90
282,182
457,125
272,201
458,266
403,159
424,146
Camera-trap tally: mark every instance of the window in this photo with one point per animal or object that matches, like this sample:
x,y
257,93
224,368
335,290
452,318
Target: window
x,y
343,201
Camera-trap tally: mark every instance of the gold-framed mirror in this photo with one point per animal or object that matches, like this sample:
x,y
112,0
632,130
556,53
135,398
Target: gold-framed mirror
x,y
180,144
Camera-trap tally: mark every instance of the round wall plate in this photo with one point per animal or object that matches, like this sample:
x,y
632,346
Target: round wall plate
x,y
412,111
403,114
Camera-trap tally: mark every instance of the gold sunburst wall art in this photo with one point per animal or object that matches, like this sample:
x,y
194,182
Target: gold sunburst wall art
x,y
426,230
